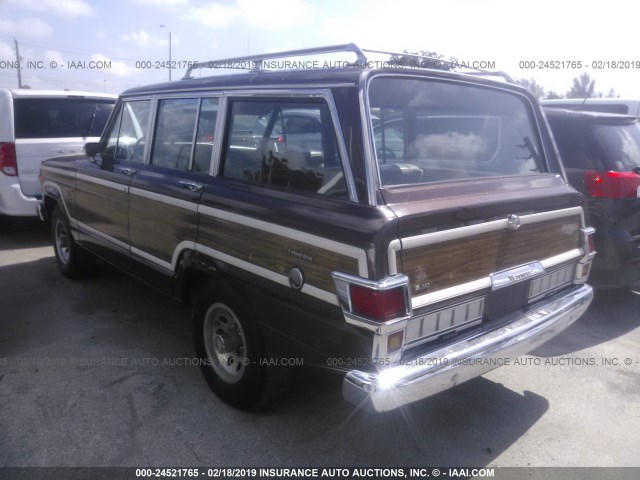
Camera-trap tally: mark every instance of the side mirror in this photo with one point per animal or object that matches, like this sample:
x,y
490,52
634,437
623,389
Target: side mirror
x,y
92,149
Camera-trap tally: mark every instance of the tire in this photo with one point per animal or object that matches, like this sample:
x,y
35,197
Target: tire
x,y
73,261
5,224
229,347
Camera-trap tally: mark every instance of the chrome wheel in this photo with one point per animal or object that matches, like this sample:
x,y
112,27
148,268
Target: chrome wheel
x,y
225,343
62,241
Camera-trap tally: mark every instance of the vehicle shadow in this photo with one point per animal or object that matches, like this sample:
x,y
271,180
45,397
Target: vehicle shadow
x,y
469,425
620,308
161,411
25,233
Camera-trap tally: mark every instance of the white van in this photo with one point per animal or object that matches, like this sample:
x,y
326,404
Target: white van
x,y
36,125
605,105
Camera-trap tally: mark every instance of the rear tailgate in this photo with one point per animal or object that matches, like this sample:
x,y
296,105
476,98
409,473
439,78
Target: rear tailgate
x,y
476,251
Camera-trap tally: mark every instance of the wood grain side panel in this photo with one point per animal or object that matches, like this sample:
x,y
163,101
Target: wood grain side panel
x,y
104,208
275,252
467,259
157,227
67,185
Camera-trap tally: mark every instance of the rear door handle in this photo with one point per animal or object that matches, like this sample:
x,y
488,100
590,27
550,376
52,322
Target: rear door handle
x,y
128,171
192,186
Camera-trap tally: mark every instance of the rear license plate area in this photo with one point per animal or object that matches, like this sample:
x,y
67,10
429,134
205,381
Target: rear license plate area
x,y
505,300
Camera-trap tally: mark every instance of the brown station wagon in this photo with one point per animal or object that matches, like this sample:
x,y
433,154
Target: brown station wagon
x,y
410,228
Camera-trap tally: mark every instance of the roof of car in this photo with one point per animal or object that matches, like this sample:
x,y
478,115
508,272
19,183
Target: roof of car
x,y
27,92
579,101
601,117
312,78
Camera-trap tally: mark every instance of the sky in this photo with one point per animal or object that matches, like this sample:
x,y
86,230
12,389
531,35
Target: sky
x,y
114,45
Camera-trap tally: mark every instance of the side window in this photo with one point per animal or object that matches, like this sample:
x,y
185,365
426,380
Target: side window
x,y
127,137
284,144
204,135
173,139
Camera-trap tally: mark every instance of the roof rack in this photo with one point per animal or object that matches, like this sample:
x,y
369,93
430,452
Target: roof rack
x,y
256,62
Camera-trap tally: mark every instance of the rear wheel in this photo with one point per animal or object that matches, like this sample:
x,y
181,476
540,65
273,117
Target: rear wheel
x,y
5,224
73,261
231,351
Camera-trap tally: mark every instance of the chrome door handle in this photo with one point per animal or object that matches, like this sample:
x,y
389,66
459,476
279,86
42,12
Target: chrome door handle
x,y
192,186
128,171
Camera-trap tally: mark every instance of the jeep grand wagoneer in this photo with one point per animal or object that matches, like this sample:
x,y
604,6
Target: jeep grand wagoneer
x,y
405,226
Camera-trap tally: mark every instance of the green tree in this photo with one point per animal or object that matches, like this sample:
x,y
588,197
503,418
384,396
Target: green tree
x,y
612,94
533,86
551,95
583,87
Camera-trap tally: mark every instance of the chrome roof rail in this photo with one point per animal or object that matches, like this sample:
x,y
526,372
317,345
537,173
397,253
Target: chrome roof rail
x,y
256,61
490,73
413,55
475,71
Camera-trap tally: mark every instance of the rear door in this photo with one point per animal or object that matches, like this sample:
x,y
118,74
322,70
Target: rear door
x,y
52,127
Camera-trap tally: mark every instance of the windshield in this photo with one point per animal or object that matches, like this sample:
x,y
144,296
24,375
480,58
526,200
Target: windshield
x,y
428,131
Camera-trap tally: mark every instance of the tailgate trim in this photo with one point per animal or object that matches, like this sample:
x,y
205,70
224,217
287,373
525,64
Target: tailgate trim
x,y
484,282
407,243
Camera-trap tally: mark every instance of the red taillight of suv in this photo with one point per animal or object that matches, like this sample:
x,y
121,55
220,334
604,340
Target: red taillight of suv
x,y
8,164
378,305
612,184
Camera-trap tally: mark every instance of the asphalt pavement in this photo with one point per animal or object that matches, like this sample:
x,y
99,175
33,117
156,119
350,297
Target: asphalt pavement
x,y
99,372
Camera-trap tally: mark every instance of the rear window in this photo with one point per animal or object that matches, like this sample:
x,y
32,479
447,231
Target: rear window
x,y
60,117
429,131
587,144
620,145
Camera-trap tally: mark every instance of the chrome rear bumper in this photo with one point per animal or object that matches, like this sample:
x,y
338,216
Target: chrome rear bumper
x,y
395,386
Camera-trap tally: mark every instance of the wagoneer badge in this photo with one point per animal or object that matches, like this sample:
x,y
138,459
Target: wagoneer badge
x,y
513,221
515,275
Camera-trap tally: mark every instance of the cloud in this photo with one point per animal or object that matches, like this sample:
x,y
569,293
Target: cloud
x,y
163,3
271,16
144,39
213,15
275,14
28,27
7,52
118,68
54,56
62,8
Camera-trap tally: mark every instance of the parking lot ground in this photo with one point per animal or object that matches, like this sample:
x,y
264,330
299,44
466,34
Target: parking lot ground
x,y
96,373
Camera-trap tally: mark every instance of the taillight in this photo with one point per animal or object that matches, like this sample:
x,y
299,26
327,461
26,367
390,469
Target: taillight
x,y
8,164
380,305
612,184
591,244
584,265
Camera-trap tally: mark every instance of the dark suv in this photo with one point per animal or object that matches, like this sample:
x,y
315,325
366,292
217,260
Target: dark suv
x,y
410,229
601,156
